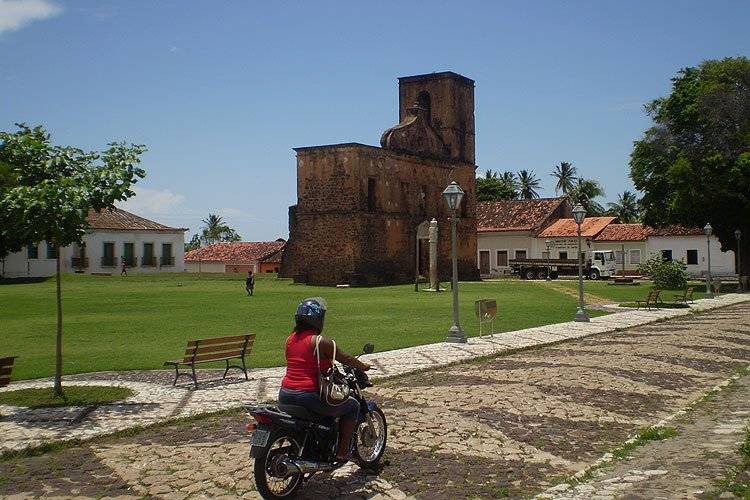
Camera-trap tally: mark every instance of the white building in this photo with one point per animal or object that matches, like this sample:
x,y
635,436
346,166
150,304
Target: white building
x,y
690,245
236,257
520,228
114,237
508,229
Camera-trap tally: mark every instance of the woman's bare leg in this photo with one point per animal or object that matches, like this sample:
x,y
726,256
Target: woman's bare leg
x,y
346,430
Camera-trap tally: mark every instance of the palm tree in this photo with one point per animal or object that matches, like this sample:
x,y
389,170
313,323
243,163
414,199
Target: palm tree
x,y
528,184
213,228
626,208
584,191
490,174
565,173
509,178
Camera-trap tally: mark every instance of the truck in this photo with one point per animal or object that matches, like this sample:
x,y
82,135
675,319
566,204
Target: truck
x,y
598,264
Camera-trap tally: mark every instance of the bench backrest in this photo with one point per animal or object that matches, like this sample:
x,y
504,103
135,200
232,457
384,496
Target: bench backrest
x,y
218,348
6,366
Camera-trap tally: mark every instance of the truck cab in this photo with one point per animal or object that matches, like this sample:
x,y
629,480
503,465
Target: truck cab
x,y
601,264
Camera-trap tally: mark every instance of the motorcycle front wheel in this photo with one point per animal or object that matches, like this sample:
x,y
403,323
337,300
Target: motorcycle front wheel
x,y
369,444
272,478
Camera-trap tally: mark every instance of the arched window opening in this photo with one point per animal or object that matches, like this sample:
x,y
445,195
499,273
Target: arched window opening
x,y
423,101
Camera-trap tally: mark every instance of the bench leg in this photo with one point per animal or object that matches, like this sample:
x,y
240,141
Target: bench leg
x,y
227,370
244,368
176,374
195,379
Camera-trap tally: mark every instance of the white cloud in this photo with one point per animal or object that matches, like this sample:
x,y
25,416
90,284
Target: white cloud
x,y
16,14
150,202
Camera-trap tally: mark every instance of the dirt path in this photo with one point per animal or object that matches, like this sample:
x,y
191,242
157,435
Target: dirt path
x,y
511,426
590,298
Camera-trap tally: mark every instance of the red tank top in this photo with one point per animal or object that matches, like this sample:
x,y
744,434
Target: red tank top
x,y
301,363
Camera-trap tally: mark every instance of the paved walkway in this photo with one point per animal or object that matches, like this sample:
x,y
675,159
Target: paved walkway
x,y
157,401
512,425
696,463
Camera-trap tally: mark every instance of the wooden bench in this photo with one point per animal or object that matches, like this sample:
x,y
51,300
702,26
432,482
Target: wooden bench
x,y
716,285
215,349
688,295
6,366
653,300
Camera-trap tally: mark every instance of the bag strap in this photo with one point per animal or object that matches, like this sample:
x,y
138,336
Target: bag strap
x,y
317,351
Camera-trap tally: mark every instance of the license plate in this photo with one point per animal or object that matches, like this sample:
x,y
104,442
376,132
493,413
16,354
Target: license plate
x,y
260,437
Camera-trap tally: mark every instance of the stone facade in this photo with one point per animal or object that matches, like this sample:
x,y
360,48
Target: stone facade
x,y
358,206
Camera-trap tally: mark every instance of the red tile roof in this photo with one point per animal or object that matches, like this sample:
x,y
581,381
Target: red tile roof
x,y
675,230
565,228
623,232
121,220
245,251
515,215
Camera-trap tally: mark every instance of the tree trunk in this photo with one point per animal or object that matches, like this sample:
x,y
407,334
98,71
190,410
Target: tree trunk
x,y
744,255
58,343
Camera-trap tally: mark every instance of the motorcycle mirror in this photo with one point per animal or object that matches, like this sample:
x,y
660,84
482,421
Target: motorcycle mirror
x,y
368,348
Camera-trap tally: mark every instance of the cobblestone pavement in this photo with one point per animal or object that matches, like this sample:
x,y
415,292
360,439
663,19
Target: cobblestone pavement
x,y
694,464
157,401
509,426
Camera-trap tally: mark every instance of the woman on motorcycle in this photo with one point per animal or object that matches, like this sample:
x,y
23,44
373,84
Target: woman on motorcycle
x,y
300,384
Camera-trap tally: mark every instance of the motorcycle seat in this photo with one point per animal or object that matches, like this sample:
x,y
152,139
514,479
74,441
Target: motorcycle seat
x,y
302,413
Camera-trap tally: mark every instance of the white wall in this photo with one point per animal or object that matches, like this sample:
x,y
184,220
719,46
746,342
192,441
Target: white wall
x,y
722,263
204,267
506,240
631,263
95,250
19,265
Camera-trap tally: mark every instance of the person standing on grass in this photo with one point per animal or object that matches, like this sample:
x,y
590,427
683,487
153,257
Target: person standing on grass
x,y
250,283
124,268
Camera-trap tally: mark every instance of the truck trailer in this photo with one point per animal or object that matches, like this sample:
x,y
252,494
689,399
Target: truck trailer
x,y
597,264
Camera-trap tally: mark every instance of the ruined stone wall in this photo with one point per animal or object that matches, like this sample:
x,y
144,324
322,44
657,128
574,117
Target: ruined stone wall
x,y
357,213
451,103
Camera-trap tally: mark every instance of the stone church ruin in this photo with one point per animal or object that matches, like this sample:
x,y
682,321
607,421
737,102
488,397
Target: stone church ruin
x,y
359,208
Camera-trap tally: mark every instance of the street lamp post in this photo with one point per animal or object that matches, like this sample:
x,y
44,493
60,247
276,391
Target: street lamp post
x,y
709,282
453,195
548,244
579,213
738,236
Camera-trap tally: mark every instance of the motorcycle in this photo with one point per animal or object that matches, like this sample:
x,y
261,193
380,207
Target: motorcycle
x,y
291,444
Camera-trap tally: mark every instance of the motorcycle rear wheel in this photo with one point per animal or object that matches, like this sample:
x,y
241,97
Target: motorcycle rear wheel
x,y
269,482
369,448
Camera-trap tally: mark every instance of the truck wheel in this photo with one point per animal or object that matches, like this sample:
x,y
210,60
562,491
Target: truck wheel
x,y
530,274
594,275
542,274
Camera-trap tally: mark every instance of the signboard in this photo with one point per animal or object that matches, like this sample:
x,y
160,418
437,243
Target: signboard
x,y
486,310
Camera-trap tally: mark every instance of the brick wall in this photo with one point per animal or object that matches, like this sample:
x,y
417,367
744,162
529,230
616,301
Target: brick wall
x,y
358,209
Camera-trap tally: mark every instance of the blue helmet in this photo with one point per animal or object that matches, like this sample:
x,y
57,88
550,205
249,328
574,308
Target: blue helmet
x,y
311,312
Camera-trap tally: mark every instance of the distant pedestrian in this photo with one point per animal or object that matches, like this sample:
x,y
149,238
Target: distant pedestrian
x,y
250,283
124,268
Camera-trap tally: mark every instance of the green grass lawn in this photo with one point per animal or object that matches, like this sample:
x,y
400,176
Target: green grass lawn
x,y
72,396
139,321
625,293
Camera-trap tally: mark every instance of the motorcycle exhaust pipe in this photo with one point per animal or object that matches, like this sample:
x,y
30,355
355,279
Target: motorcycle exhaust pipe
x,y
306,466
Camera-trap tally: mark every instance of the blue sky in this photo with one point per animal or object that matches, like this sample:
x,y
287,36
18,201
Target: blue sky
x,y
221,91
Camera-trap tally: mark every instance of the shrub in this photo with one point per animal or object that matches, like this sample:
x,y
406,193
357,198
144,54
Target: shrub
x,y
666,274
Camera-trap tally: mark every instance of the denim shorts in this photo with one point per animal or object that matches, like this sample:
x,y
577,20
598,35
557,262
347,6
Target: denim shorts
x,y
347,410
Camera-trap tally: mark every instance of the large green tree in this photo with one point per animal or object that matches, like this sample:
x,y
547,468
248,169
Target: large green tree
x,y
494,188
625,208
46,192
693,164
584,192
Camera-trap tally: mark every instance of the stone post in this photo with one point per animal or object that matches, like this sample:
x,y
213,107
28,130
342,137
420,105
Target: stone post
x,y
433,234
